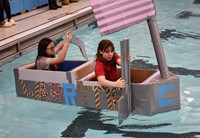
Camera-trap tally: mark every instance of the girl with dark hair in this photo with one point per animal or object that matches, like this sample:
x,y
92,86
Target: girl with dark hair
x,y
46,59
5,6
106,65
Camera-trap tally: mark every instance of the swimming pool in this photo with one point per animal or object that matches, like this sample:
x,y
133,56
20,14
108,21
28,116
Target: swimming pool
x,y
178,22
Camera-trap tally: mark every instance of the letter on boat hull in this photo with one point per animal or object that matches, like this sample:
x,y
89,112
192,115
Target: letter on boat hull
x,y
156,96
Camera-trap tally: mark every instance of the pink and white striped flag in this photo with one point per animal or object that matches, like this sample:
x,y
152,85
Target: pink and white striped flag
x,y
114,15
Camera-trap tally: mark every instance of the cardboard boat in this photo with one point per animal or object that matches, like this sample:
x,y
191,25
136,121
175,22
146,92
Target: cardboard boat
x,y
148,91
75,84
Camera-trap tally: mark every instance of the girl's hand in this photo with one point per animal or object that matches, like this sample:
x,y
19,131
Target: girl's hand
x,y
129,56
120,83
68,36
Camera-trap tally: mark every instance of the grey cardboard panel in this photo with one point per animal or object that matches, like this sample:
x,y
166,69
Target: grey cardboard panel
x,y
91,99
144,107
150,91
123,112
17,83
103,100
78,98
42,75
156,97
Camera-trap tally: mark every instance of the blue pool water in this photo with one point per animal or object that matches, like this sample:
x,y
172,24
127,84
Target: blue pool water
x,y
178,22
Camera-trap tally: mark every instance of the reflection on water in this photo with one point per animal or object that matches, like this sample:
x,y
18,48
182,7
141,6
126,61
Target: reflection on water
x,y
92,119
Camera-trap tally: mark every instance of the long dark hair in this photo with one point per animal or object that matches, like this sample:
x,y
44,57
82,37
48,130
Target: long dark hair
x,y
103,45
42,47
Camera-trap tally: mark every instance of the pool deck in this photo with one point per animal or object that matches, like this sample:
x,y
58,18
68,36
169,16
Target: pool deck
x,y
42,22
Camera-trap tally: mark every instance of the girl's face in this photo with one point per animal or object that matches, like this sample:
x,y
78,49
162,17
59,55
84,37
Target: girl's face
x,y
107,54
50,49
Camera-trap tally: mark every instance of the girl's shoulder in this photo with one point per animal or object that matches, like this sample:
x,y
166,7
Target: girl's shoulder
x,y
43,63
99,62
42,58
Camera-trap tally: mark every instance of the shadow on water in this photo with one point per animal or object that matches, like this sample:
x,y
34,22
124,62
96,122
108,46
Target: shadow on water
x,y
186,15
93,25
196,1
92,119
173,33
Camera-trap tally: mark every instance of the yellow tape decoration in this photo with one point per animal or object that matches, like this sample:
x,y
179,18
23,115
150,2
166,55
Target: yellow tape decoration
x,y
26,93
